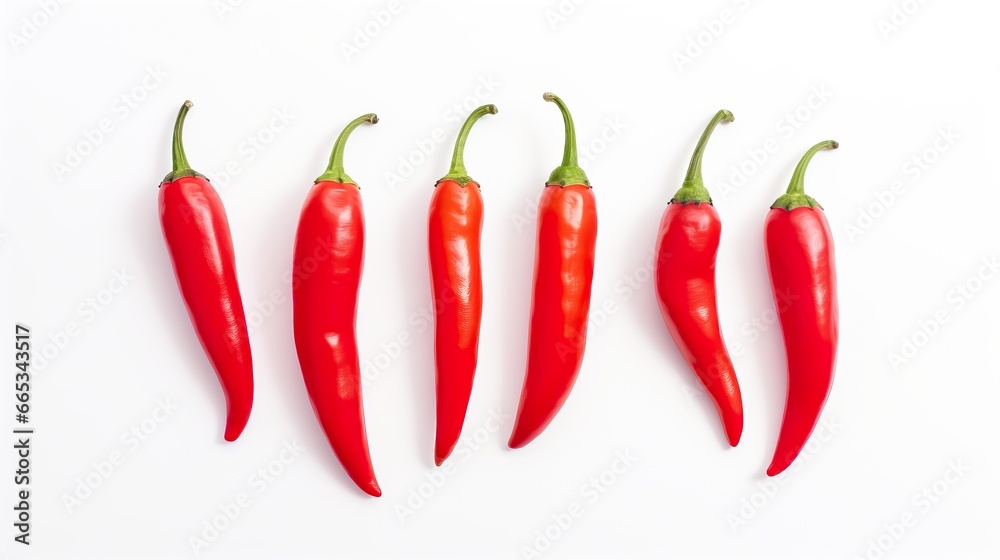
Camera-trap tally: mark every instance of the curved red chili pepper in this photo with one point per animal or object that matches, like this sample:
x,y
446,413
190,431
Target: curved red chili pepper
x,y
201,249
564,270
328,260
455,226
799,249
686,247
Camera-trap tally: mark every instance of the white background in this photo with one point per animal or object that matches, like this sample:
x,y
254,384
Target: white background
x,y
890,430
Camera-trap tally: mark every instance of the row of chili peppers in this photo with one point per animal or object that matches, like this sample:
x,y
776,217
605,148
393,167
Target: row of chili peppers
x,y
327,266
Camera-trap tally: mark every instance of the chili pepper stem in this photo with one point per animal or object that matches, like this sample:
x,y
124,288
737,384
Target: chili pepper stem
x,y
457,171
569,173
693,189
796,196
335,169
181,166
180,158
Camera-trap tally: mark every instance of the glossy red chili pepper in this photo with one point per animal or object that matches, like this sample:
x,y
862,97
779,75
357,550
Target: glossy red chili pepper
x,y
455,225
799,248
328,260
201,249
564,270
684,268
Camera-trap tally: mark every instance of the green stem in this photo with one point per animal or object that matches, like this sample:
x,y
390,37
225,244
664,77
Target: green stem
x,y
181,167
569,173
796,196
335,169
693,189
457,171
180,158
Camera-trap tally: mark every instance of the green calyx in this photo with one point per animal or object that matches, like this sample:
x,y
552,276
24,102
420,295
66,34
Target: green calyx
x,y
569,173
335,170
693,189
457,171
795,196
181,166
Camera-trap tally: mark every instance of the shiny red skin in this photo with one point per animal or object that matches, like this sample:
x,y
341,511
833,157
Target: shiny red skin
x,y
196,231
684,269
564,271
800,261
455,225
327,265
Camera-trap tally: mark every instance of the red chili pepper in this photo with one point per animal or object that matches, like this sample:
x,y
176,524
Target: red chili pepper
x,y
686,247
564,270
455,225
201,249
328,260
799,248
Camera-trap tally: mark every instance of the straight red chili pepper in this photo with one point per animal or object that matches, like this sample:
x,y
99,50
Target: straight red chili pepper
x,y
196,231
327,265
799,248
564,271
455,226
686,247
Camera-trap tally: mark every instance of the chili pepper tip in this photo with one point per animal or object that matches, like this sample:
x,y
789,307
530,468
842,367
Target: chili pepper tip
x,y
373,118
834,144
372,489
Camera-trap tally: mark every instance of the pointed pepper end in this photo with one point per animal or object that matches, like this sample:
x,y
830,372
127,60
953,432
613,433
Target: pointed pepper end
x,y
441,453
234,429
734,437
775,470
734,430
371,488
518,440
443,446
